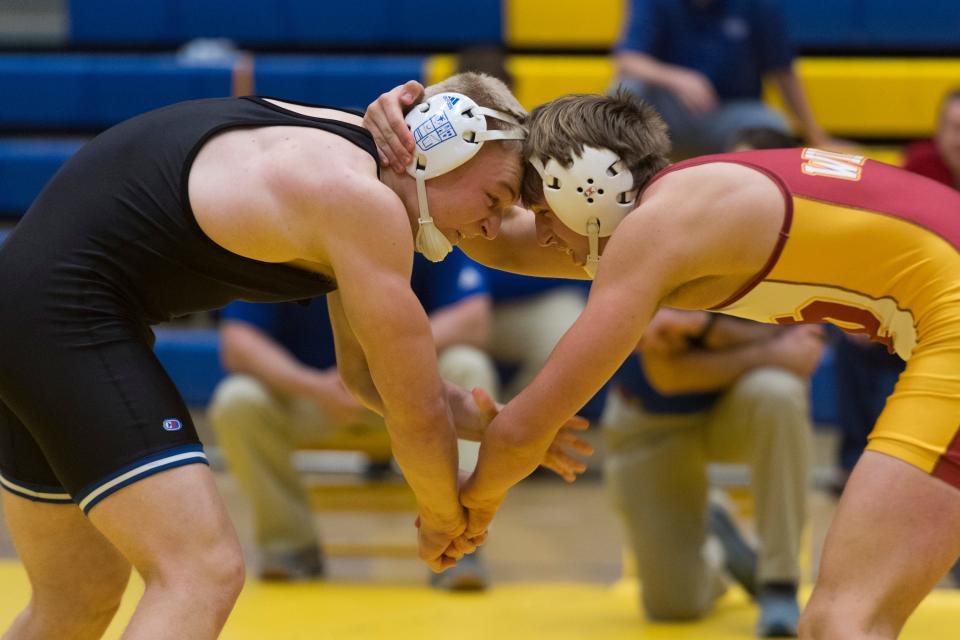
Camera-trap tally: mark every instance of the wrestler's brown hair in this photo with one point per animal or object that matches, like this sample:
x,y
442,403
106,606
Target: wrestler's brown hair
x,y
620,122
486,91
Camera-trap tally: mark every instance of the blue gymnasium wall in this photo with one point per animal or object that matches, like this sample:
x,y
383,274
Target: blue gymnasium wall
x,y
287,22
919,25
95,91
437,24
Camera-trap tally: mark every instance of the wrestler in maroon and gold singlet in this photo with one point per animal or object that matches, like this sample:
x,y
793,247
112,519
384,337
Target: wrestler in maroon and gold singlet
x,y
872,249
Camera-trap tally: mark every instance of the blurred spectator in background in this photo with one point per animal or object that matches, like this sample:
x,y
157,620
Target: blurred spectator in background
x,y
940,158
284,393
762,138
701,64
704,387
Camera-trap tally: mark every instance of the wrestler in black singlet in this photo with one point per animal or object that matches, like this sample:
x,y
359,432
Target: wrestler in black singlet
x,y
109,247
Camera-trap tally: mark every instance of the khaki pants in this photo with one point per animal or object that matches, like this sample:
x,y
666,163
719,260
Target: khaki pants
x,y
526,330
259,431
656,471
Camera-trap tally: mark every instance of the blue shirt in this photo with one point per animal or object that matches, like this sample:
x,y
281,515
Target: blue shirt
x,y
633,381
305,331
506,286
732,42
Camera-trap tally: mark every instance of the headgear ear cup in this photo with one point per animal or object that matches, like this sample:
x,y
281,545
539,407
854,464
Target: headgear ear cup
x,y
591,196
448,129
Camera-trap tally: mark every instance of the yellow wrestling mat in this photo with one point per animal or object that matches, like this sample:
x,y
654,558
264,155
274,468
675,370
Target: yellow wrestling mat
x,y
552,611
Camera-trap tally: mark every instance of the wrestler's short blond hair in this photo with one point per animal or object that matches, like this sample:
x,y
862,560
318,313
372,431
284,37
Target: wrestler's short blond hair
x,y
620,122
486,91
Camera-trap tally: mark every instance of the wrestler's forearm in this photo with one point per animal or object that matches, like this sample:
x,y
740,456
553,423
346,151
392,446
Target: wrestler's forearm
x,y
730,331
507,456
793,94
246,349
426,451
517,439
701,371
646,68
418,419
463,323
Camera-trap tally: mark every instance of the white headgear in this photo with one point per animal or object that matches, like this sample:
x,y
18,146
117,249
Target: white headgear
x,y
591,196
449,129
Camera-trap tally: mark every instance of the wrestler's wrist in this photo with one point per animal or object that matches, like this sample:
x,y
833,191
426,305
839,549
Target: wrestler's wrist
x,y
472,499
450,520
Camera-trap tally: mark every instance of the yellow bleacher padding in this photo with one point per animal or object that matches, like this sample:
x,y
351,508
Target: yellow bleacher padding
x,y
563,23
538,79
861,97
438,67
890,155
876,97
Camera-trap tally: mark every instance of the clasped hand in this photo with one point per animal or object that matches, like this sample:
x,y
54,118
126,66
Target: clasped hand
x,y
442,546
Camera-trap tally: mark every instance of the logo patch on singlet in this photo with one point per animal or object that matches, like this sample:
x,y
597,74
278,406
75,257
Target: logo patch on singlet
x,y
434,131
829,164
172,424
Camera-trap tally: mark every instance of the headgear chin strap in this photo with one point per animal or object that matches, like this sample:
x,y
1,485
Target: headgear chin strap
x,y
449,129
591,196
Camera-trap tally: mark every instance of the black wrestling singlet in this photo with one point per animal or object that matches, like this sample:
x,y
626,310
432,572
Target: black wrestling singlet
x,y
109,247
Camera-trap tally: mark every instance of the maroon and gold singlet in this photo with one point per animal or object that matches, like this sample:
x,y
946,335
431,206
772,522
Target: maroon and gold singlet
x,y
875,250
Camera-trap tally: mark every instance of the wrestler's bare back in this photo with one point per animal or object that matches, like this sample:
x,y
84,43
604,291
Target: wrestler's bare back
x,y
242,179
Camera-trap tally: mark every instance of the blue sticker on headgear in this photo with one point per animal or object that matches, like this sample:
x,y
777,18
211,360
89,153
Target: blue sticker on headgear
x,y
434,131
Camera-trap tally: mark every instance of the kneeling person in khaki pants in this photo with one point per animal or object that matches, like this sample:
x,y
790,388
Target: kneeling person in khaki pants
x,y
284,393
707,388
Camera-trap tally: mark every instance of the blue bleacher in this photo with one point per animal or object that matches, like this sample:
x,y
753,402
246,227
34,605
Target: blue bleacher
x,y
27,165
876,25
342,81
49,91
192,358
93,92
287,23
435,24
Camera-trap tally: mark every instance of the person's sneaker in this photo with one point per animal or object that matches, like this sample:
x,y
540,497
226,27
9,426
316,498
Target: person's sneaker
x,y
740,560
378,470
955,574
469,574
291,566
779,611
